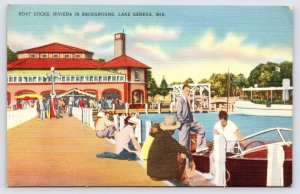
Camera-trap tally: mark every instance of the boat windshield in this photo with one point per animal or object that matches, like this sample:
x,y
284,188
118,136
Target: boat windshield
x,y
265,137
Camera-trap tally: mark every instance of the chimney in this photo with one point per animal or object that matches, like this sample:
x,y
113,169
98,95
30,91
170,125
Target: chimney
x,y
119,44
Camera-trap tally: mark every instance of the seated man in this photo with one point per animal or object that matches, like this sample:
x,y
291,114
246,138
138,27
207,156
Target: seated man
x,y
124,138
147,144
104,127
231,134
167,158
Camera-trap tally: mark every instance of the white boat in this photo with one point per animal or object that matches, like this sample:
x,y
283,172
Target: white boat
x,y
250,108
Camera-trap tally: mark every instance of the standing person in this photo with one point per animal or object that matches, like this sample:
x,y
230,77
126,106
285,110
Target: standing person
x,y
59,109
47,108
53,105
167,158
189,123
42,108
124,138
231,134
70,105
91,103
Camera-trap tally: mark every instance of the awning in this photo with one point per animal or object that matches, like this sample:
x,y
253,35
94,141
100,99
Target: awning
x,y
28,97
75,92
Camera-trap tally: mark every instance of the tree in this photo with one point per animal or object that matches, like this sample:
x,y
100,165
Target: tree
x,y
270,74
163,89
189,81
101,60
151,85
11,55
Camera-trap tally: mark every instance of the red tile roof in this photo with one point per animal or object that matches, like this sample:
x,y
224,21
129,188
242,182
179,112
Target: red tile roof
x,y
30,63
55,48
124,61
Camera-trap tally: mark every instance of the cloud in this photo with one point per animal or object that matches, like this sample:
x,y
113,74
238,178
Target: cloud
x,y
102,39
233,48
153,53
153,33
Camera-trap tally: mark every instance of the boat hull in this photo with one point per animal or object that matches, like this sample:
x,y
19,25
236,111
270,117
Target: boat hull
x,y
249,108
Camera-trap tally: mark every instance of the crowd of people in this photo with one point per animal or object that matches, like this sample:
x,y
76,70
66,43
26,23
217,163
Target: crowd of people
x,y
163,156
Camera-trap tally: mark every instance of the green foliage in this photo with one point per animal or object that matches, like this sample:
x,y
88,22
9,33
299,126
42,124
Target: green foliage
x,y
151,84
11,55
189,81
267,74
163,89
101,60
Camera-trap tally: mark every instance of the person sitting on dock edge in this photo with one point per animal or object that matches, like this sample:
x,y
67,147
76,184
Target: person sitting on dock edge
x,y
104,127
189,123
167,158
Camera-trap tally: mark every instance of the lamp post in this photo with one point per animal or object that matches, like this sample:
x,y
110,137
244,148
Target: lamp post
x,y
53,75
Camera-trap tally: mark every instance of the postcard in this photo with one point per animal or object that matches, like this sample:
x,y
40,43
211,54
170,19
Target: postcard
x,y
149,96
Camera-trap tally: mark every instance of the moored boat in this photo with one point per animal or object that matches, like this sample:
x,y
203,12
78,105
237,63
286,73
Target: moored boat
x,y
248,165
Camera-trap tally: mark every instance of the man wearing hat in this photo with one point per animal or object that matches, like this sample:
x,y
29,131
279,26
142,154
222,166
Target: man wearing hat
x,y
104,127
167,158
124,137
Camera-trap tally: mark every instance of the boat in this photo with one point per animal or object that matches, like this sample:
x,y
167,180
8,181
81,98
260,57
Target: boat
x,y
250,108
247,166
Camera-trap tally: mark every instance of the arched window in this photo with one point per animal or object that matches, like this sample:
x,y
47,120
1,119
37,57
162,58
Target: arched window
x,y
137,97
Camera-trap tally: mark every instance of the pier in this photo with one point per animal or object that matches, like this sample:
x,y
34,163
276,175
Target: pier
x,y
62,152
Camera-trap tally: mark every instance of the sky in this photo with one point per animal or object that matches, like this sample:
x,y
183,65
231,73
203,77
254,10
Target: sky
x,y
186,42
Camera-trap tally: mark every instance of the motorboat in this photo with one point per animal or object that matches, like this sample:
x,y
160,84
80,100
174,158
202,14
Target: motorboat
x,y
249,165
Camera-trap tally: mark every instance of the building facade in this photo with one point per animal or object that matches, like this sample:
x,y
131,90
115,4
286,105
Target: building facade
x,y
122,77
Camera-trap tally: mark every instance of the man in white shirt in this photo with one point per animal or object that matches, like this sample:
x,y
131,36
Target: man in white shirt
x,y
231,134
228,129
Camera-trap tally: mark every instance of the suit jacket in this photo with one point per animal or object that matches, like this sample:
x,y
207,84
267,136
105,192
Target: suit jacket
x,y
184,114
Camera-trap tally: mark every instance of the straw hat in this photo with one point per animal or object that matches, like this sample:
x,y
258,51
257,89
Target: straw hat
x,y
101,114
170,123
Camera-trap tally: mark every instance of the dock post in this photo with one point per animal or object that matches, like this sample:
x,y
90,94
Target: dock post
x,y
158,107
116,121
148,128
122,124
220,160
138,130
126,108
275,176
91,119
146,108
113,107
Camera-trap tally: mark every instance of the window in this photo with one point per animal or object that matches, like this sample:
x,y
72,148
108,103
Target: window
x,y
20,79
72,78
10,79
67,55
100,78
105,78
137,74
96,78
39,79
15,79
122,78
109,78
87,78
55,55
44,55
77,56
91,78
113,78
30,79
77,78
81,78
63,78
32,56
68,78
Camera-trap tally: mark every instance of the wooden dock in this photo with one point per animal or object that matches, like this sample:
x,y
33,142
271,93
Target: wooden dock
x,y
62,152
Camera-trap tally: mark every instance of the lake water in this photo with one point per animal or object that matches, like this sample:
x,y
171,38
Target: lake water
x,y
247,124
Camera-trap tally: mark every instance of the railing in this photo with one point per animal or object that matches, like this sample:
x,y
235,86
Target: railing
x,y
85,115
18,117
